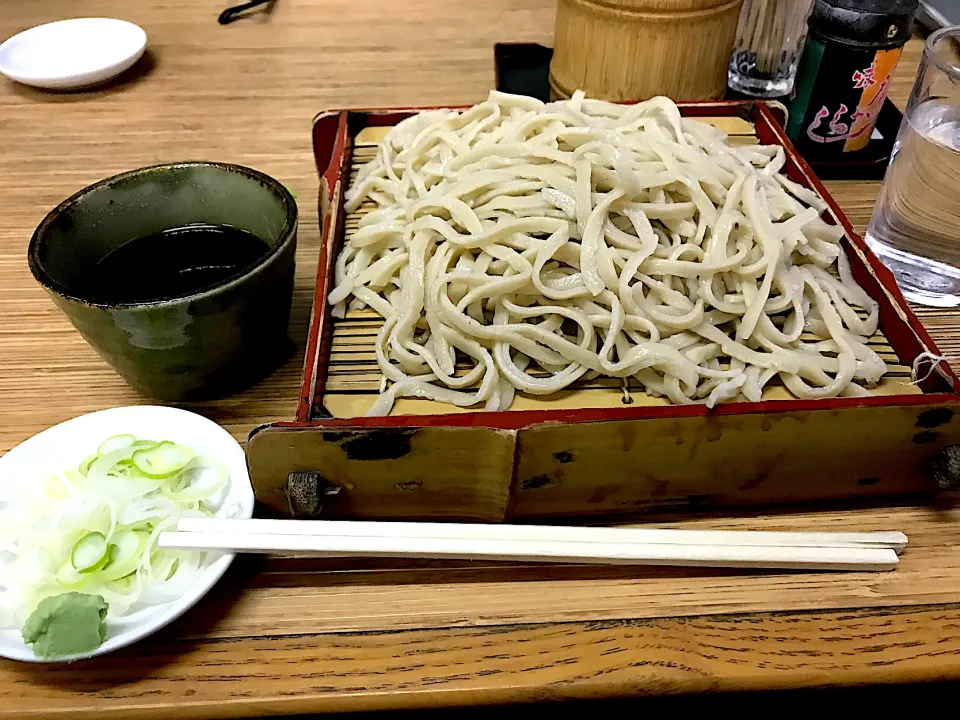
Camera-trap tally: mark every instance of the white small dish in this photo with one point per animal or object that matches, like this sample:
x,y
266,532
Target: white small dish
x,y
67,444
70,54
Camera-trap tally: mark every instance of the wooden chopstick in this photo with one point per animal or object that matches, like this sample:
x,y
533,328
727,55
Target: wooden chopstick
x,y
622,553
896,541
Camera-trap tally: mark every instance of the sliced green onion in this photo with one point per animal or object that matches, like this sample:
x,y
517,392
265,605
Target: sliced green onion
x,y
117,442
106,464
89,552
85,465
145,443
94,528
126,548
68,577
74,477
173,568
163,460
202,478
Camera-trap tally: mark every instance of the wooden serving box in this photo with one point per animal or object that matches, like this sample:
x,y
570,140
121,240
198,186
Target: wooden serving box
x,y
587,452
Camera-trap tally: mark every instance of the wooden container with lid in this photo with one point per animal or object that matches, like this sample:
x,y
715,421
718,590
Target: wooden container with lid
x,y
635,49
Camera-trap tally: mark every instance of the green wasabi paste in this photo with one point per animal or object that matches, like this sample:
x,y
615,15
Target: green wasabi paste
x,y
66,624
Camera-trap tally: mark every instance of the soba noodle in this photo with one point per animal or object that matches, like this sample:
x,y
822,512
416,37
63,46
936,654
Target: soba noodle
x,y
519,246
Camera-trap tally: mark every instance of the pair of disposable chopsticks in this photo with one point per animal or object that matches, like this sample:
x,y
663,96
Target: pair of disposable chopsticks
x,y
855,551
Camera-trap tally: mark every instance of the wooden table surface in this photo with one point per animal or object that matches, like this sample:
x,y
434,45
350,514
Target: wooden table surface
x,y
289,636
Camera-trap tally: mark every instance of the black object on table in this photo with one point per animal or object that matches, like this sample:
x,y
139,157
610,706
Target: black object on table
x,y
238,11
524,68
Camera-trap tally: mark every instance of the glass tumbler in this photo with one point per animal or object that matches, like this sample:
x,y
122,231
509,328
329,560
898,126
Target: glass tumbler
x,y
768,45
915,228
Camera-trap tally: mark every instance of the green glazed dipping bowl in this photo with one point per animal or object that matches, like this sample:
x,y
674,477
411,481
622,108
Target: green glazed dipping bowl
x,y
202,345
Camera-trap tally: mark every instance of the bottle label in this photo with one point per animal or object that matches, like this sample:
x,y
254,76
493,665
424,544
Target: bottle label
x,y
838,95
875,83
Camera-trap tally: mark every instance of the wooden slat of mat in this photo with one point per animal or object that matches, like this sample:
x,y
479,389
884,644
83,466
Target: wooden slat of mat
x,y
354,380
733,126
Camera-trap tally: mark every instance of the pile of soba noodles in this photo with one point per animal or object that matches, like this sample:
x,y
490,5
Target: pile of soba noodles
x,y
519,246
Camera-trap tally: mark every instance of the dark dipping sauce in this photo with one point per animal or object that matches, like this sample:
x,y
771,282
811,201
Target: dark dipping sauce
x,y
174,263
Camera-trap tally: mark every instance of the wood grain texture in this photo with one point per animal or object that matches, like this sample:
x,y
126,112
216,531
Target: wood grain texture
x,y
626,49
514,664
245,93
440,472
285,635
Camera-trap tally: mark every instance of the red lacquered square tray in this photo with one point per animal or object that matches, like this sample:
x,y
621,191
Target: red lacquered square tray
x,y
588,453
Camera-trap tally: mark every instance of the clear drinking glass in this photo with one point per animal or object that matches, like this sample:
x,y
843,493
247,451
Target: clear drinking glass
x,y
769,42
915,228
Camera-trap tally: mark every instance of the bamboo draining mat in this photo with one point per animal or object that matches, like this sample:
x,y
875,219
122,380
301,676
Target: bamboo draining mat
x,y
354,380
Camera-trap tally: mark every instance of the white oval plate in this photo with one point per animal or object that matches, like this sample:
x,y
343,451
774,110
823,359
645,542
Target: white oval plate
x,y
67,444
70,54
